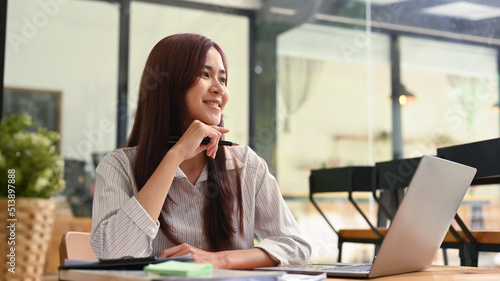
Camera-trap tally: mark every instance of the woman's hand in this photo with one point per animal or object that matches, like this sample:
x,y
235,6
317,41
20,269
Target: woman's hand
x,y
233,259
189,145
199,256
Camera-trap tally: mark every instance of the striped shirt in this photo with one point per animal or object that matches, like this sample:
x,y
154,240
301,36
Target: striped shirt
x,y
121,227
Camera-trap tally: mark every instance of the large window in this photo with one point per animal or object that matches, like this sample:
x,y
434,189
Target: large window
x,y
334,106
455,86
57,47
333,100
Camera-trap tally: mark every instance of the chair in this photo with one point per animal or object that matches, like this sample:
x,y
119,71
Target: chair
x,y
485,157
76,246
392,177
350,180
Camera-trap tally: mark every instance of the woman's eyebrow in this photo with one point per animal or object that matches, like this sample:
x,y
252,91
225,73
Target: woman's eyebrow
x,y
208,67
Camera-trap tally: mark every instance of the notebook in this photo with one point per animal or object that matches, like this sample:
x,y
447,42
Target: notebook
x,y
418,228
127,263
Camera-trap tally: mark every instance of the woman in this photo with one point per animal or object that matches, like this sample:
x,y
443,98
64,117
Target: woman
x,y
154,197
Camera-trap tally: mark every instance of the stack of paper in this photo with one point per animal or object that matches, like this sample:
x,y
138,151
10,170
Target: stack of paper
x,y
180,268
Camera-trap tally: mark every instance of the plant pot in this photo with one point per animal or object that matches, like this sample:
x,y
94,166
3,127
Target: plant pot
x,y
25,237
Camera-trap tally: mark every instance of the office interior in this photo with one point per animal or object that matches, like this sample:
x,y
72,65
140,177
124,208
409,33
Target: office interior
x,y
313,84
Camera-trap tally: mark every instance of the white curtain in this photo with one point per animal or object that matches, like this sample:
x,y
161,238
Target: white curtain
x,y
296,76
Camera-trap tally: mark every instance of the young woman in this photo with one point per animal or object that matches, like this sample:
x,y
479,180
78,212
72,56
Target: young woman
x,y
155,197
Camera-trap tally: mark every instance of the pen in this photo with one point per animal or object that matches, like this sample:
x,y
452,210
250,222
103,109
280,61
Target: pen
x,y
173,139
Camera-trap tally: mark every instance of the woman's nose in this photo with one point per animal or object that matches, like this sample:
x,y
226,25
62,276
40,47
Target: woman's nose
x,y
217,88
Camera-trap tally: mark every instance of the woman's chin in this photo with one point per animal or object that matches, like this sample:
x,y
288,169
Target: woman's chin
x,y
211,121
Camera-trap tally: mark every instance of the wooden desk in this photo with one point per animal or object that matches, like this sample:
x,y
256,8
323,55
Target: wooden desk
x,y
50,276
442,273
435,273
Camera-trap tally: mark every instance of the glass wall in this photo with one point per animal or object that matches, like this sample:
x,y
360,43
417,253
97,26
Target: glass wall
x,y
455,86
334,104
57,47
333,101
69,47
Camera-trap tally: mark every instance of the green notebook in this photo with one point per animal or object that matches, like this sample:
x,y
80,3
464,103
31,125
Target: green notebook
x,y
180,268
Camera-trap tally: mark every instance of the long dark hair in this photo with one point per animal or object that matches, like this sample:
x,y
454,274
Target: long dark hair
x,y
173,66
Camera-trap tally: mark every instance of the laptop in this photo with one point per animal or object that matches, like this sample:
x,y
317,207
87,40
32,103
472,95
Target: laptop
x,y
418,228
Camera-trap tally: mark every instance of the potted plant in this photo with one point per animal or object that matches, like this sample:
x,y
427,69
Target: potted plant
x,y
30,174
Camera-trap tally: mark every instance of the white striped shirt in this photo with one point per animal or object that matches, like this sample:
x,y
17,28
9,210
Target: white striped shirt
x,y
121,227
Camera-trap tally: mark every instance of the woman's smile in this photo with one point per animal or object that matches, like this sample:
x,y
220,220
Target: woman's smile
x,y
213,103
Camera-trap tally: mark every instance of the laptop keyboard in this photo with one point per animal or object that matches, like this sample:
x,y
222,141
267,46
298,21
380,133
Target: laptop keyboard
x,y
350,268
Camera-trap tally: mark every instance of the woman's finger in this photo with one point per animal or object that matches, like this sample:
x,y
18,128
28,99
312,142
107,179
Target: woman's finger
x,y
214,135
221,129
170,251
191,140
181,253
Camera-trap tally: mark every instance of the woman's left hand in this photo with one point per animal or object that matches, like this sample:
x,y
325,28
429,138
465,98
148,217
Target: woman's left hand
x,y
199,256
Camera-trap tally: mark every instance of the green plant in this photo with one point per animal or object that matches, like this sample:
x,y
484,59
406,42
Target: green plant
x,y
33,156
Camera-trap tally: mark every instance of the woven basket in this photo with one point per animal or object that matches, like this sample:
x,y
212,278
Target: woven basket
x,y
33,230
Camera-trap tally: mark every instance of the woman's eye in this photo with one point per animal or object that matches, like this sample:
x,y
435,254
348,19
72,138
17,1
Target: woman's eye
x,y
205,74
222,80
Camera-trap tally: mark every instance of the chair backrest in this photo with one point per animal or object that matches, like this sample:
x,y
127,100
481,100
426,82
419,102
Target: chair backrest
x,y
76,246
482,155
355,178
395,173
343,179
393,176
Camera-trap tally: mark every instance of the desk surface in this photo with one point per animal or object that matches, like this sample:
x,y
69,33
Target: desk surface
x,y
442,273
435,273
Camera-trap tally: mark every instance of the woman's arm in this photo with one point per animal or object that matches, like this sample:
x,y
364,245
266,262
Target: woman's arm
x,y
120,226
274,222
154,192
124,224
235,259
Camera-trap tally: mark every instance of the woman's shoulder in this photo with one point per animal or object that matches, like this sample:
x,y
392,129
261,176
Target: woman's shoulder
x,y
124,155
123,152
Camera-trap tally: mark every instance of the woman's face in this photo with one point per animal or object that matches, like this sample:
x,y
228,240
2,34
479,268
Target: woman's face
x,y
208,96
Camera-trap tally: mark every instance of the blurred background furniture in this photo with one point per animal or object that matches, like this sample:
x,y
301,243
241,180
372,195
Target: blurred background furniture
x,y
347,180
78,187
485,156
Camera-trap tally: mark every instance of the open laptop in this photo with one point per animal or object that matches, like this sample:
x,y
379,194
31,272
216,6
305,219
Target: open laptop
x,y
418,228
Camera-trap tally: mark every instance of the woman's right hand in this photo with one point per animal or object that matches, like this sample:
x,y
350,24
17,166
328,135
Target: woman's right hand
x,y
189,145
153,193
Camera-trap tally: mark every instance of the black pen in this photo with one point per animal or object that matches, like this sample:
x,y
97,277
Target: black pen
x,y
173,139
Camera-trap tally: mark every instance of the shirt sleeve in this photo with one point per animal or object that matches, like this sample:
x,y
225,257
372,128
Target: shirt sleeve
x,y
120,225
275,224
